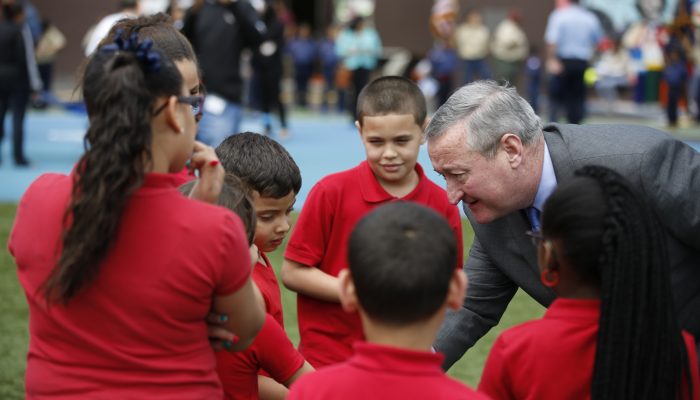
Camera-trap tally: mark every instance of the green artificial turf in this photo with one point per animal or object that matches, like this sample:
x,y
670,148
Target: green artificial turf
x,y
14,336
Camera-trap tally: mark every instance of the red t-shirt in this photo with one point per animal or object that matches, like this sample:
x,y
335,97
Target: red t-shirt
x,y
553,357
264,277
138,330
382,372
319,239
271,350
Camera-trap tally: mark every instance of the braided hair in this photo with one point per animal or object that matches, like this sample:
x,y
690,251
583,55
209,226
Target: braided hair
x,y
611,236
120,86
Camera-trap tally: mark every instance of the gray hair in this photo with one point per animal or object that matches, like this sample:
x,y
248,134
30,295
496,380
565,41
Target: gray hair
x,y
488,111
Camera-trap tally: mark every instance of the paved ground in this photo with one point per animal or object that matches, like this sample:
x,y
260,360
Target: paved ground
x,y
320,144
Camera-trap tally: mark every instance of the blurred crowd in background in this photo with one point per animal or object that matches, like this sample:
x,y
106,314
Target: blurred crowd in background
x,y
273,61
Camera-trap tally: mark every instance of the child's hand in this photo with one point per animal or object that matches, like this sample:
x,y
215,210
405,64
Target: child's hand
x,y
219,337
210,176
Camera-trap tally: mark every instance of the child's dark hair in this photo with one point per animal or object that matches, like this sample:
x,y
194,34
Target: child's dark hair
x,y
234,196
391,95
159,28
260,162
402,257
610,235
120,92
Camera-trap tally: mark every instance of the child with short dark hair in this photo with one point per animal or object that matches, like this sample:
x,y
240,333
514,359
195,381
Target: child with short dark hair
x,y
391,119
274,181
402,305
271,350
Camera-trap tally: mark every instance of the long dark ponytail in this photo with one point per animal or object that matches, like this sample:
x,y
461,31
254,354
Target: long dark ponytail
x,y
612,237
120,88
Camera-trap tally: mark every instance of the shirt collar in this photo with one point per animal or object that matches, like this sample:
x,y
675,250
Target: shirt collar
x,y
388,359
548,181
587,310
373,192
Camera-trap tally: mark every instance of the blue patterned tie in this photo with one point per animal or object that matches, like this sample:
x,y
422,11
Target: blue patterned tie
x,y
533,215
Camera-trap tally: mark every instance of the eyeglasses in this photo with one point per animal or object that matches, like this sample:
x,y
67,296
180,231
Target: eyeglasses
x,y
536,237
196,102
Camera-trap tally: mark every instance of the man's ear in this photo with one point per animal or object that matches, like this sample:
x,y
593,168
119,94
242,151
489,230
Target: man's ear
x,y
457,289
171,117
348,296
512,146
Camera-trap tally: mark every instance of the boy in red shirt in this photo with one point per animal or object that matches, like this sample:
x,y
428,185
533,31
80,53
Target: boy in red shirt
x,y
271,350
274,181
391,118
401,279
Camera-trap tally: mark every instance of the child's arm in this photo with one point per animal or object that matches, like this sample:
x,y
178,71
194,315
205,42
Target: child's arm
x,y
248,314
310,281
270,389
305,369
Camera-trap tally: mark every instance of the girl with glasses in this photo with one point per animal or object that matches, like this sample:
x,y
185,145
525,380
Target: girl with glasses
x,y
119,269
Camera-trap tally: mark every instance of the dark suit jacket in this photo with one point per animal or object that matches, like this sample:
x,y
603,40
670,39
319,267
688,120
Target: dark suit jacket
x,y
502,258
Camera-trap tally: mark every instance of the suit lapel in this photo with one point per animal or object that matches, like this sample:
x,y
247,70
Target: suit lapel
x,y
559,152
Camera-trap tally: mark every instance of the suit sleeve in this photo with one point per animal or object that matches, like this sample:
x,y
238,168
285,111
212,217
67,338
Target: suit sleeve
x,y
671,177
488,293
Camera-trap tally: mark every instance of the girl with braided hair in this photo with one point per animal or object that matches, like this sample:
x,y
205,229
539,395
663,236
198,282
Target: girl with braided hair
x,y
119,269
612,332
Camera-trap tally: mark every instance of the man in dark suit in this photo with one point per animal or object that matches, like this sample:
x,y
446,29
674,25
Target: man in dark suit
x,y
496,158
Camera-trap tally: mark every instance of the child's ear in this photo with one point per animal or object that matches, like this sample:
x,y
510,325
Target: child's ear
x,y
348,296
171,118
457,289
359,127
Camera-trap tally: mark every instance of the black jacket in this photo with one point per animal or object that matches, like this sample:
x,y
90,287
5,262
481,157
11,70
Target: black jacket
x,y
219,32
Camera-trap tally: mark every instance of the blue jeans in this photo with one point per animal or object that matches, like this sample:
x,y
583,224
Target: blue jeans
x,y
215,127
475,69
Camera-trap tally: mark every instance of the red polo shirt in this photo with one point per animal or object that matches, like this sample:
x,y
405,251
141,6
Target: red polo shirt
x,y
319,239
382,372
271,350
138,330
264,277
553,357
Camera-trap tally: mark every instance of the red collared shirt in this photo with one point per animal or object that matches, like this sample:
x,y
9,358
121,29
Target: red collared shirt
x,y
383,372
138,330
553,357
319,239
266,280
271,350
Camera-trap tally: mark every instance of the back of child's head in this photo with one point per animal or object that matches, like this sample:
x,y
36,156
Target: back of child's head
x,y
607,232
159,28
391,95
234,196
262,163
122,82
402,257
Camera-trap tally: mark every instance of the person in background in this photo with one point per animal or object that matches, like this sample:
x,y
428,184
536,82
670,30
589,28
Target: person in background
x,y
360,48
267,72
52,41
19,76
443,62
602,251
472,40
302,49
219,30
509,48
332,96
127,9
572,34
